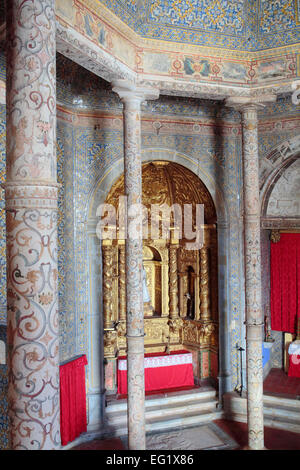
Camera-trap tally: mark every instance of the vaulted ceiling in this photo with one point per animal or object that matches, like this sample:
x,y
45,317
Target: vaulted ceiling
x,y
251,25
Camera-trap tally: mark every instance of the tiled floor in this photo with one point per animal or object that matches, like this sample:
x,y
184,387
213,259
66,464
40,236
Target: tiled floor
x,y
278,383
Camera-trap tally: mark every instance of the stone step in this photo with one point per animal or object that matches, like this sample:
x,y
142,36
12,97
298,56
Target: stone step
x,y
170,411
279,412
174,422
159,412
270,400
167,398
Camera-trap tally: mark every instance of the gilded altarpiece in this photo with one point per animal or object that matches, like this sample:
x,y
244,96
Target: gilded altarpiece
x,y
182,283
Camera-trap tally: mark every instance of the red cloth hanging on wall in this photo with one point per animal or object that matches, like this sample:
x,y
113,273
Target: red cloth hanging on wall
x,y
73,419
285,282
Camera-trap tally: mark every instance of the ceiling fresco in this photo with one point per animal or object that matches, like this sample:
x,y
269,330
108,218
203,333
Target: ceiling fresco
x,y
233,24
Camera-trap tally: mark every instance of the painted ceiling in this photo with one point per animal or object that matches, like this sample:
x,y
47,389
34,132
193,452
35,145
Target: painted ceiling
x,y
233,24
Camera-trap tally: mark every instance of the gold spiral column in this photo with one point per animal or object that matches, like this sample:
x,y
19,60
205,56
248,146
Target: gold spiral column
x,y
122,284
173,281
174,322
107,284
205,313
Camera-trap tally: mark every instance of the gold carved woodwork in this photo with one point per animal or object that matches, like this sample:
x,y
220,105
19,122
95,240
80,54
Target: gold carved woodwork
x,y
173,281
107,252
275,236
173,273
110,343
199,333
122,283
204,285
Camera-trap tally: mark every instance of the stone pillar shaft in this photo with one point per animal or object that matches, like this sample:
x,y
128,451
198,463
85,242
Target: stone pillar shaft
x,y
254,319
132,96
31,225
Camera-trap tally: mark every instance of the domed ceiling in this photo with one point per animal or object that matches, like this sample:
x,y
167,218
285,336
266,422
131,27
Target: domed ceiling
x,y
163,183
234,24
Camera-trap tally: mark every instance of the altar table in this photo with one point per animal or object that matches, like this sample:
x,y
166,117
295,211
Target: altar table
x,y
162,371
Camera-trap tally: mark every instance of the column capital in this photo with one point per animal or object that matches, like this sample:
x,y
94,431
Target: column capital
x,y
244,103
133,94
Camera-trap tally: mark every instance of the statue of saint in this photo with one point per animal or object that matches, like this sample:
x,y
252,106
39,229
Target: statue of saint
x,y
146,296
148,309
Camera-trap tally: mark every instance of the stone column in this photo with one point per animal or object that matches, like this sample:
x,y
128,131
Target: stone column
x,y
132,96
254,317
31,222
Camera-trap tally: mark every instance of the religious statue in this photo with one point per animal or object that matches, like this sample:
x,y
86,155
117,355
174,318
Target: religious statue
x,y
148,309
190,306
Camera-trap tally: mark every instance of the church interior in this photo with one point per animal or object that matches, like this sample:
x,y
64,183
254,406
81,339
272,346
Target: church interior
x,y
138,343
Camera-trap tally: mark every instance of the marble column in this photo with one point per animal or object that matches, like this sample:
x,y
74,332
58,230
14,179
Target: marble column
x,y
31,223
132,96
254,316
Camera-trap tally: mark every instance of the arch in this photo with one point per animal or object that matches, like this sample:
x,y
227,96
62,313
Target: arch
x,y
101,188
273,165
97,196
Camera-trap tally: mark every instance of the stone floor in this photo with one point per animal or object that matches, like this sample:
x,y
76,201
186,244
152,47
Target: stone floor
x,y
221,434
279,383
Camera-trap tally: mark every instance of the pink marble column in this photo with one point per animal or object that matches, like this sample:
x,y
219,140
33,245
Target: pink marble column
x,y
31,223
254,315
132,96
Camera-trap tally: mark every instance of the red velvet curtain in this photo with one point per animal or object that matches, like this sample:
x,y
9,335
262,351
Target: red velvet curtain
x,y
73,419
285,283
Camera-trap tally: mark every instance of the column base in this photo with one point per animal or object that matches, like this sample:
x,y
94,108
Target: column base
x,y
250,448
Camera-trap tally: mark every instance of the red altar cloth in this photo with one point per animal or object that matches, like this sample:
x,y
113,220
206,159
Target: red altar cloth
x,y
73,419
162,371
294,365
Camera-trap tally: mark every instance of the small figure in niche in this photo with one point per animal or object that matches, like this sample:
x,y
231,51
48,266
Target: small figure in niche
x,y
148,309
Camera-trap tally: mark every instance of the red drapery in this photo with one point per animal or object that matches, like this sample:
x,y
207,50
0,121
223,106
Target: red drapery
x,y
73,419
285,283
